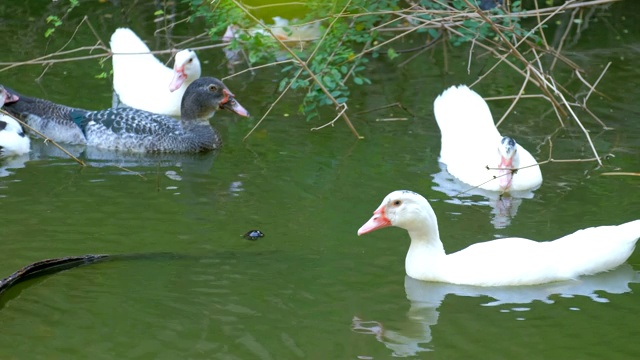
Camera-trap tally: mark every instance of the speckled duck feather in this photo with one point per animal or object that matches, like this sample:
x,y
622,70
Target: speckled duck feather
x,y
127,128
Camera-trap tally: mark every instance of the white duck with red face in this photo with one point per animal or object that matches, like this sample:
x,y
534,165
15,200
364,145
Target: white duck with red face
x,y
474,151
186,69
500,262
141,81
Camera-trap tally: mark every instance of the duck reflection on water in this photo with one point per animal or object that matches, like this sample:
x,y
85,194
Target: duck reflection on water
x,y
414,335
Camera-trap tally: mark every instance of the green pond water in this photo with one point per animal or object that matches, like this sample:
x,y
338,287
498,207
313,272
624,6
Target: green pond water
x,y
190,287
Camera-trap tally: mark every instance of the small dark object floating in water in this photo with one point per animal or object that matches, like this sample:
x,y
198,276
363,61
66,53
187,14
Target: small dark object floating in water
x,y
253,235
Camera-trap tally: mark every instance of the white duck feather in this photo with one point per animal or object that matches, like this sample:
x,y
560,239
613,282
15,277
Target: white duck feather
x,y
500,262
472,148
143,82
13,140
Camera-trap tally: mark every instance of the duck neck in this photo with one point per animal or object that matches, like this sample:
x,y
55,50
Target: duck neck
x,y
201,136
426,253
189,114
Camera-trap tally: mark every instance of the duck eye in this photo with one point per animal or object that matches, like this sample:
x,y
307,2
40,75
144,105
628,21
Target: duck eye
x,y
397,203
190,61
213,88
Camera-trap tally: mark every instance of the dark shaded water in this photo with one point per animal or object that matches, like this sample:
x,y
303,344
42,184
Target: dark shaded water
x,y
310,288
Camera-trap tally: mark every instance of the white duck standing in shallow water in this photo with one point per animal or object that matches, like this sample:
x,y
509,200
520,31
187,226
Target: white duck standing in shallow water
x,y
132,129
13,140
500,262
474,151
141,81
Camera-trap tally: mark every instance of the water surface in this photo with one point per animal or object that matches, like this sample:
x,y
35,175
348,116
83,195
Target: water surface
x,y
310,288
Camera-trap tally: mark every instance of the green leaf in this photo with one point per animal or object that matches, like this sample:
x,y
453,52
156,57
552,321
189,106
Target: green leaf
x,y
329,82
296,84
312,115
309,107
283,84
392,54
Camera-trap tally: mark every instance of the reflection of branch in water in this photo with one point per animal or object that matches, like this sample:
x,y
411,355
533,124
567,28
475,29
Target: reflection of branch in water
x,y
503,206
402,343
398,104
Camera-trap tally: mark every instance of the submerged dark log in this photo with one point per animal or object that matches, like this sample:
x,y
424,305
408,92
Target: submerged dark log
x,y
48,266
55,265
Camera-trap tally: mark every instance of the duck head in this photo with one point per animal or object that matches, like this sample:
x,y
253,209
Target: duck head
x,y
508,150
186,68
7,97
206,95
402,208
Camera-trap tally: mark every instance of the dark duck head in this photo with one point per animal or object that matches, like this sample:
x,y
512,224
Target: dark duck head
x,y
205,96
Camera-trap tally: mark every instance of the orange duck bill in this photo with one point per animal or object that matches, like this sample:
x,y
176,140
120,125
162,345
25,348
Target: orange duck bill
x,y
378,221
229,103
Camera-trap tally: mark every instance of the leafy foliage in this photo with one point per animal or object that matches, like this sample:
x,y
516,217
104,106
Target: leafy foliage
x,y
350,38
56,20
340,59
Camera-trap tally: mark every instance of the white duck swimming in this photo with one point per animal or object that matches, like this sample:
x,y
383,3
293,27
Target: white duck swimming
x,y
13,140
143,82
500,262
472,148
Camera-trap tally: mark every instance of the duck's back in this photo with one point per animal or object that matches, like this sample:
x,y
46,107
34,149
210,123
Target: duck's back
x,y
467,133
465,123
470,140
592,250
141,131
500,262
517,261
139,78
49,119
